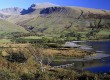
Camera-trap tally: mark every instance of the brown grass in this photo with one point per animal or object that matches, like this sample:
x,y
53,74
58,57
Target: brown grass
x,y
14,45
67,52
72,52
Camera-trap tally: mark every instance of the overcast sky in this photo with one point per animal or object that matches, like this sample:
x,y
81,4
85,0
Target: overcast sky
x,y
98,4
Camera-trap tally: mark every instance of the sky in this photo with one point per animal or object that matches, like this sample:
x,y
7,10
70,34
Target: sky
x,y
98,4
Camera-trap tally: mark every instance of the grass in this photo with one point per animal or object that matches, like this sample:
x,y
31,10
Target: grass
x,y
104,32
37,37
7,28
5,41
66,54
32,37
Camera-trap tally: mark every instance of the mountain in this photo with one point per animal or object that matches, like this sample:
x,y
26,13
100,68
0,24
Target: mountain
x,y
11,11
52,19
4,16
7,12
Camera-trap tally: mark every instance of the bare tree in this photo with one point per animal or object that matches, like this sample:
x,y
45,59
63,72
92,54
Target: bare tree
x,y
38,53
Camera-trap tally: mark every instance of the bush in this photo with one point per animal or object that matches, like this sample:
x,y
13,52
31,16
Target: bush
x,y
7,75
27,77
53,45
87,77
16,57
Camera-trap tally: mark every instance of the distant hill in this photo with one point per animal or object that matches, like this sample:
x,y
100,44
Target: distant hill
x,y
7,12
11,11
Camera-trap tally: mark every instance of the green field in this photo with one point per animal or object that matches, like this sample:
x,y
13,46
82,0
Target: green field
x,y
32,37
104,32
5,40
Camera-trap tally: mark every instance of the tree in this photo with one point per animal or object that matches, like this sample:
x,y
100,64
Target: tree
x,y
38,53
45,40
109,36
38,56
78,36
92,33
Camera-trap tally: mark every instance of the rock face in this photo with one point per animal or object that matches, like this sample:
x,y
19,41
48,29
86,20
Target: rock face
x,y
42,5
37,6
52,9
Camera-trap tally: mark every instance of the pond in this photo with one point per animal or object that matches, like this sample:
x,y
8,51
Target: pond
x,y
100,63
103,64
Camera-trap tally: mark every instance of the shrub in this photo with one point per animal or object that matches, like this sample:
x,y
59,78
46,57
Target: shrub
x,y
16,57
27,77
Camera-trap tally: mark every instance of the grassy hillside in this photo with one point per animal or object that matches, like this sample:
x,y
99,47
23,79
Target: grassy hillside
x,y
7,28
